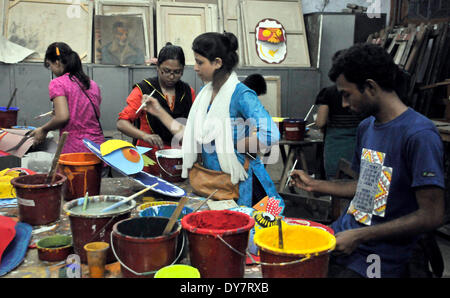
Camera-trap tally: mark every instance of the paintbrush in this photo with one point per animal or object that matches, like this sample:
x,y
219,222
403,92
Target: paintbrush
x,y
289,175
280,234
175,215
145,102
86,197
43,115
11,99
204,202
309,112
120,203
52,174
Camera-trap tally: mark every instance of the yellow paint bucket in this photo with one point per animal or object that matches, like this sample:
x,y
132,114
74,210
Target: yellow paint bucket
x,y
178,271
305,251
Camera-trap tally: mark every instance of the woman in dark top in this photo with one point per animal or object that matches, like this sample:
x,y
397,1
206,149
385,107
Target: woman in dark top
x,y
339,126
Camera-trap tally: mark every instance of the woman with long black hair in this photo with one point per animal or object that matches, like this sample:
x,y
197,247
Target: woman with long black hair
x,y
76,100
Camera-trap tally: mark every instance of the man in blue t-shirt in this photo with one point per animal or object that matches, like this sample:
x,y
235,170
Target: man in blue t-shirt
x,y
399,158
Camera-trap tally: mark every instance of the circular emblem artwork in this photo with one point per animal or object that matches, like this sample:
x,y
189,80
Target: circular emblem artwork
x,y
271,41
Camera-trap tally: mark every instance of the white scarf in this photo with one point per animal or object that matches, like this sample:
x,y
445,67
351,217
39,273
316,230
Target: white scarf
x,y
203,127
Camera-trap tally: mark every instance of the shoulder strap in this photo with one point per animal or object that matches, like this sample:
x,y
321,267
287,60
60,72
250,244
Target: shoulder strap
x,y
92,104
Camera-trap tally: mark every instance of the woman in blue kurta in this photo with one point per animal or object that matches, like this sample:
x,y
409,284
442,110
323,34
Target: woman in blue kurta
x,y
226,122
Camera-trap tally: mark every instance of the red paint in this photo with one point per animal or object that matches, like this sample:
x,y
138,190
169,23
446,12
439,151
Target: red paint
x,y
219,221
208,253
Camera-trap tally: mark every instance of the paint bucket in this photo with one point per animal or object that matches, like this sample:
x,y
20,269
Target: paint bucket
x,y
305,252
8,117
83,172
178,271
92,225
140,247
170,162
39,203
218,241
54,248
294,129
167,211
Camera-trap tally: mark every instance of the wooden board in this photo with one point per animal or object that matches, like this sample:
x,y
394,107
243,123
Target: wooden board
x,y
181,23
3,6
33,24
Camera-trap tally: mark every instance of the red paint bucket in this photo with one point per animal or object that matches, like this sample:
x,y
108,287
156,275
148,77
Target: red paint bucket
x,y
170,162
140,247
305,251
95,226
39,203
218,241
8,118
294,129
83,172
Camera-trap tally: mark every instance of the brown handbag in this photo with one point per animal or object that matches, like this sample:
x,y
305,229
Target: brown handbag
x,y
205,181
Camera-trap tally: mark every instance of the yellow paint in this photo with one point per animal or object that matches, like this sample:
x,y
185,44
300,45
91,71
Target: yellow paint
x,y
112,145
298,240
272,53
6,189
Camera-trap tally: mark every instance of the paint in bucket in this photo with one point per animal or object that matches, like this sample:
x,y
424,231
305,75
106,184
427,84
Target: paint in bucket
x,y
8,117
83,172
54,248
305,252
170,162
294,129
91,225
154,203
140,247
178,271
218,241
39,202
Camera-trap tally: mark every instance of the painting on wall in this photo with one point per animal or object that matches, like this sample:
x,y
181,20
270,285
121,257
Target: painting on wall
x,y
36,31
271,41
290,15
120,40
144,9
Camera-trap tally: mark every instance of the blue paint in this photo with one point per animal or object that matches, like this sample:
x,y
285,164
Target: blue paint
x,y
164,211
3,109
143,178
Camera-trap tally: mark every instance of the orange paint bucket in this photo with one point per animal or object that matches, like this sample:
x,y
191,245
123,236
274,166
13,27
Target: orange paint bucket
x,y
83,172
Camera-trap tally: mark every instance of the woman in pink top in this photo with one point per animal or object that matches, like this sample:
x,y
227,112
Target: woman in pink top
x,y
76,100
